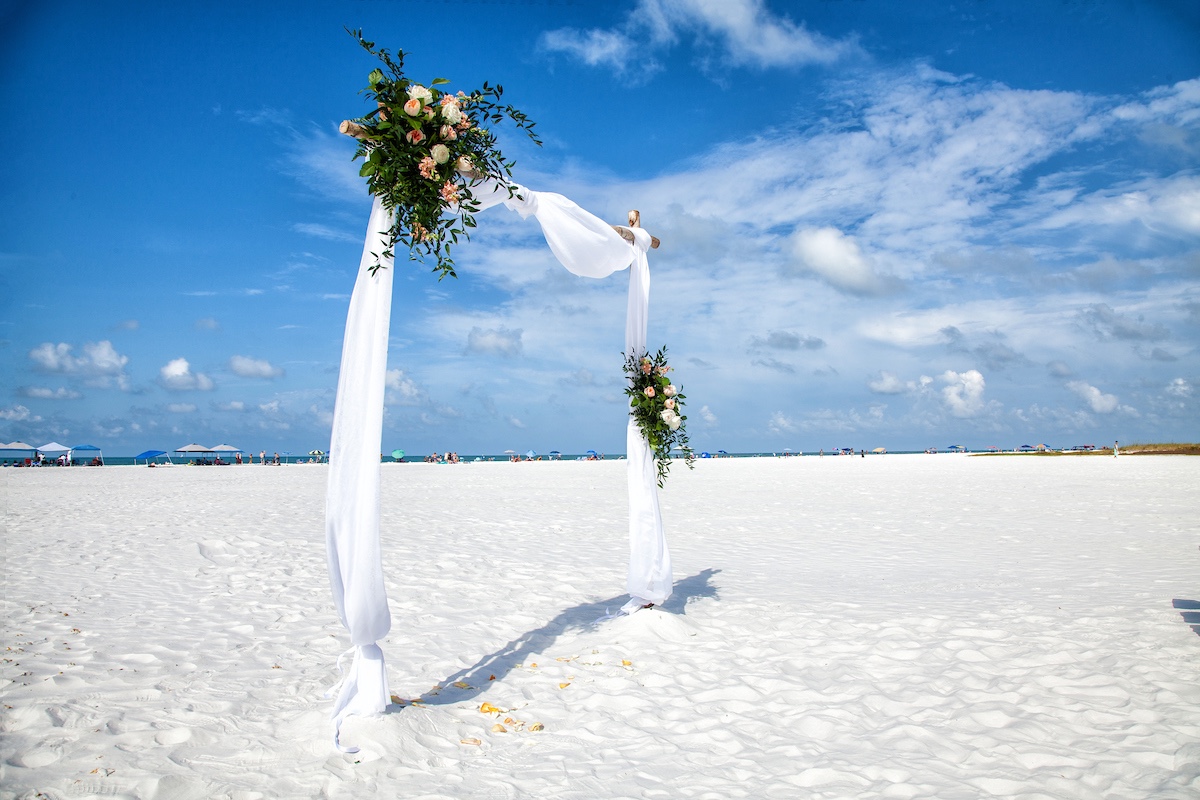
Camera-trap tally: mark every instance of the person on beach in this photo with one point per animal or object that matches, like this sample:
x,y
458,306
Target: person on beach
x,y
262,457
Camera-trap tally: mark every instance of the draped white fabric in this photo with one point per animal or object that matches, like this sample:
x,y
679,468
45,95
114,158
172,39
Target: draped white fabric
x,y
352,496
649,559
586,246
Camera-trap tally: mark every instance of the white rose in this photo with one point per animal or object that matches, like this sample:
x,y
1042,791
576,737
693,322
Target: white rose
x,y
418,92
451,113
670,391
440,153
464,164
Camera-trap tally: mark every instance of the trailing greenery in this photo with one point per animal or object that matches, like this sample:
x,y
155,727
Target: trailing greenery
x,y
656,405
423,151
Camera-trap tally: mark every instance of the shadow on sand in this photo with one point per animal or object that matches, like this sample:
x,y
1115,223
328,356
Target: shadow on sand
x,y
1190,611
580,617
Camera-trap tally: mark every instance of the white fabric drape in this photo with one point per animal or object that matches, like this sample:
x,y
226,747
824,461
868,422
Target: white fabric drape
x,y
352,496
586,246
649,559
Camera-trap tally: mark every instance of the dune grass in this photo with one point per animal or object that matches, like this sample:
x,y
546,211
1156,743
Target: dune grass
x,y
1133,449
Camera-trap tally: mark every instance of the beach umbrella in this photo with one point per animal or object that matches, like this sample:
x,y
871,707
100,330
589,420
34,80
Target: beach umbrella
x,y
397,454
592,453
510,452
722,452
705,454
227,448
879,450
530,454
193,448
53,447
18,446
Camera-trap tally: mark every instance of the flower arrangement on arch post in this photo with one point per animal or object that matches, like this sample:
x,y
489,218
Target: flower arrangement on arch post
x,y
423,149
656,405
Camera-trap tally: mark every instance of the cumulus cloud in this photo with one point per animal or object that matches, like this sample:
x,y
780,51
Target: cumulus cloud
x,y
1097,401
247,367
835,258
100,364
963,392
494,341
177,376
401,390
707,415
232,405
888,384
781,423
17,413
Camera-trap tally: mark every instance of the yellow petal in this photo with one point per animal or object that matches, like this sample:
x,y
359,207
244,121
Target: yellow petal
x,y
398,700
475,742
498,728
626,663
563,685
463,685
537,726
488,708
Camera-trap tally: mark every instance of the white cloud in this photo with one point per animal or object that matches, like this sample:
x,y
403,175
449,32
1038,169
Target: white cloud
x,y
247,367
325,232
207,324
1179,388
593,47
494,341
708,416
44,393
100,363
232,405
889,383
17,413
780,423
401,390
177,376
1097,400
516,423
748,33
181,408
269,408
836,258
963,392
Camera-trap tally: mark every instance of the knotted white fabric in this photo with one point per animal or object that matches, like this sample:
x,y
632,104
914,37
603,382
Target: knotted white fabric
x,y
352,496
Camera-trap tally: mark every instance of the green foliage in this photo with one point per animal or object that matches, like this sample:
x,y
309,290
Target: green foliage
x,y
424,150
657,407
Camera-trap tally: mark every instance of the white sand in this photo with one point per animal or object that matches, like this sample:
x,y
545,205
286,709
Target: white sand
x,y
897,626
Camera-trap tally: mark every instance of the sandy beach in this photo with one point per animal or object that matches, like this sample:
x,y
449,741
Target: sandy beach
x,y
896,626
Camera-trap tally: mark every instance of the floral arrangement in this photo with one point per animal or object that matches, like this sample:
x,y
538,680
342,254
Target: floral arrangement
x,y
657,405
423,149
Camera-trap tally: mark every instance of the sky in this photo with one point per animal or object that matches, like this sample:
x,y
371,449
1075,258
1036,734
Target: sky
x,y
900,225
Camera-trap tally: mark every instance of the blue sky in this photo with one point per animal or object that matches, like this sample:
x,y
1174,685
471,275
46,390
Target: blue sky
x,y
884,224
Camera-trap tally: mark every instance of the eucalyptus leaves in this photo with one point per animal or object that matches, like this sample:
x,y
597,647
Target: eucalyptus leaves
x,y
423,150
656,405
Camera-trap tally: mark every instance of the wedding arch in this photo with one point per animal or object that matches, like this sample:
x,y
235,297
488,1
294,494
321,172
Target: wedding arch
x,y
584,244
